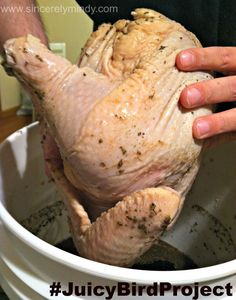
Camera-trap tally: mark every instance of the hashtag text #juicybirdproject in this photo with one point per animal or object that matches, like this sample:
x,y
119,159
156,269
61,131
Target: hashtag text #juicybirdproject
x,y
133,289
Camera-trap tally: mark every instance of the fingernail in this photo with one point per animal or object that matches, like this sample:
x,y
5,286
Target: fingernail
x,y
193,97
203,128
187,59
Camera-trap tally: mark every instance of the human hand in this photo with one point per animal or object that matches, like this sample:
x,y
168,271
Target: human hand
x,y
222,59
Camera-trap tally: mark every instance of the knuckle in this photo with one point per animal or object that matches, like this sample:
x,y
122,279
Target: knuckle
x,y
206,92
225,57
204,57
220,123
232,87
201,57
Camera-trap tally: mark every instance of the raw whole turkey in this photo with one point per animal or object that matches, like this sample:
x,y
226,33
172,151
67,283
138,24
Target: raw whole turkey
x,y
129,157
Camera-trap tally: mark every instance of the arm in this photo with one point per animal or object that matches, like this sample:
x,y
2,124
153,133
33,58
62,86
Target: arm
x,y
222,59
18,18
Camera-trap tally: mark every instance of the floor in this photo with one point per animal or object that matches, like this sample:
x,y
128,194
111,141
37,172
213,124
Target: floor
x,y
9,123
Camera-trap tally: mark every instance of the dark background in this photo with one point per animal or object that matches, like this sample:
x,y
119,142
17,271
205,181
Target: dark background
x,y
213,21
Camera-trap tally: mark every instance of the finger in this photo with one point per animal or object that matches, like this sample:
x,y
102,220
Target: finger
x,y
222,59
209,92
215,124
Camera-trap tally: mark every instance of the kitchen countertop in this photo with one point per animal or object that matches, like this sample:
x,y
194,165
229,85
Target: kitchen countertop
x,y
10,122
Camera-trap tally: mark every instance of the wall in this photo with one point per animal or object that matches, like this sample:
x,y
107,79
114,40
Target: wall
x,y
63,23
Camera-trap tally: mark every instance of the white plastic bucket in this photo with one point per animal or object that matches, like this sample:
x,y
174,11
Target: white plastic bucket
x,y
29,263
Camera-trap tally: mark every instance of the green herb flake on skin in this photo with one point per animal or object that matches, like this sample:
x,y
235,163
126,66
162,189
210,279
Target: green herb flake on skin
x,y
123,150
39,58
40,94
152,208
166,223
120,164
162,48
143,228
